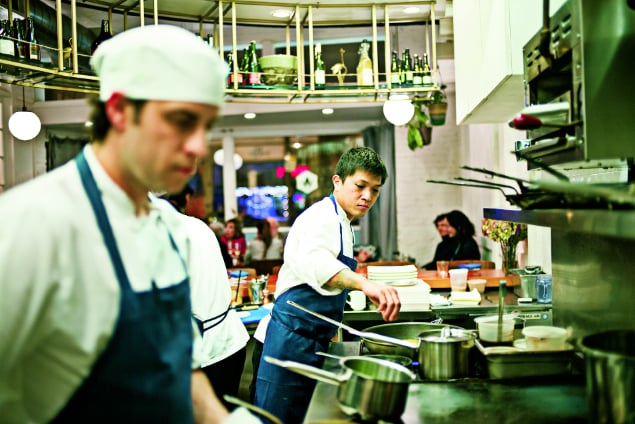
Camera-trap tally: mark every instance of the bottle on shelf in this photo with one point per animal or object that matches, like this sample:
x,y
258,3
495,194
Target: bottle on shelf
x,y
243,69
426,74
104,35
417,74
6,43
406,68
20,47
394,70
320,73
34,46
253,68
364,66
232,67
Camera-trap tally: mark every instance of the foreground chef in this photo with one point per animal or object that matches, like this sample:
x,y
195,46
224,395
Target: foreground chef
x,y
318,270
96,319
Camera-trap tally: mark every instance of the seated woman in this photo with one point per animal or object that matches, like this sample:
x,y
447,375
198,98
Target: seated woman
x,y
264,246
234,239
459,243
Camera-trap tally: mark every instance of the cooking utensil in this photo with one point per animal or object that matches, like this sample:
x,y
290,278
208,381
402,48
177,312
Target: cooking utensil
x,y
254,408
398,359
444,353
354,331
373,388
524,121
401,330
610,376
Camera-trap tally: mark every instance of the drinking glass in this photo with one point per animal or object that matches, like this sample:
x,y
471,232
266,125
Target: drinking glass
x,y
442,268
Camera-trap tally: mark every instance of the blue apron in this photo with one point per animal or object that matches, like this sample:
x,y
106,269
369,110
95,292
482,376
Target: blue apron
x,y
295,335
144,374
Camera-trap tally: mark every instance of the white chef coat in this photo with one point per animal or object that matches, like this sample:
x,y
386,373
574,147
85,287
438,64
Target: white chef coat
x,y
211,295
312,247
59,295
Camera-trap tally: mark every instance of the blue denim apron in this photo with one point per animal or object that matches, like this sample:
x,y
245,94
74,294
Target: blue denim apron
x,y
295,335
144,374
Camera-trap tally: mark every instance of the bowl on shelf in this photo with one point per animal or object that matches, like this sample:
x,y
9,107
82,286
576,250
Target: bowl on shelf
x,y
279,69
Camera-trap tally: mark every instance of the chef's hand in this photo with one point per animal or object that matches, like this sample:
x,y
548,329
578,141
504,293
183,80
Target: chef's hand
x,y
386,298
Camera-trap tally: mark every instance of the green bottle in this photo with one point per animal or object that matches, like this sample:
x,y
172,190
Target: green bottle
x,y
394,70
426,75
253,75
417,74
406,68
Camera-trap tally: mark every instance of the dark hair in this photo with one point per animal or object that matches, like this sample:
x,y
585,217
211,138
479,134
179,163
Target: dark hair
x,y
440,218
464,228
361,159
101,123
264,232
238,229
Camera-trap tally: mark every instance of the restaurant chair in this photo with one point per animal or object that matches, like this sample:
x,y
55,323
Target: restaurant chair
x,y
484,264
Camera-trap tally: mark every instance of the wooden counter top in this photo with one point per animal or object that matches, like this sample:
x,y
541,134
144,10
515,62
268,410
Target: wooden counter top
x,y
492,276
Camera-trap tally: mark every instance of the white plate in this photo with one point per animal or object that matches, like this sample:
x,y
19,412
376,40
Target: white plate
x,y
401,283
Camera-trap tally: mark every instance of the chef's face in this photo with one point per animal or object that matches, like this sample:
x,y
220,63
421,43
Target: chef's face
x,y
357,193
443,227
162,142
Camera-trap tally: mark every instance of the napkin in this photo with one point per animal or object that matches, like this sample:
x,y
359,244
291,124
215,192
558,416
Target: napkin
x,y
465,298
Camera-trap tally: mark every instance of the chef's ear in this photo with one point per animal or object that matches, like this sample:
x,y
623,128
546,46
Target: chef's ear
x,y
337,181
115,108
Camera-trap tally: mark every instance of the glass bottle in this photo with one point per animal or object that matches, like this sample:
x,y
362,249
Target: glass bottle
x,y
232,67
253,67
6,43
406,68
426,74
34,46
244,67
320,73
104,35
394,70
20,47
364,66
417,74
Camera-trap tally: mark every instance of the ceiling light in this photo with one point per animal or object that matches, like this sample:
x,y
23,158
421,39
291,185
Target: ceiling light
x,y
24,125
398,110
219,159
410,10
250,115
327,111
281,13
296,145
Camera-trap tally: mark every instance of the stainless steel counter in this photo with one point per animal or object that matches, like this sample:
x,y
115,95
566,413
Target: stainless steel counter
x,y
544,400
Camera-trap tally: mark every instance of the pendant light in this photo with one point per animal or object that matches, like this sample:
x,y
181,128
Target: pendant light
x,y
398,110
24,125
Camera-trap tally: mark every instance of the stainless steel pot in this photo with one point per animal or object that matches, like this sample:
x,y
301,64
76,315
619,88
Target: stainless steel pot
x,y
373,388
610,376
444,353
400,330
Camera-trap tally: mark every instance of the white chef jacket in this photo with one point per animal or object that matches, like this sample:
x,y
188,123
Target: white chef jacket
x,y
211,295
312,247
59,294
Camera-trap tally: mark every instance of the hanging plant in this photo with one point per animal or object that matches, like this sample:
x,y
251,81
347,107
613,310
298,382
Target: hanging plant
x,y
419,129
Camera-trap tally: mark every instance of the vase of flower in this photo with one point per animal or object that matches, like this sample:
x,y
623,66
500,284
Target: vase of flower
x,y
507,234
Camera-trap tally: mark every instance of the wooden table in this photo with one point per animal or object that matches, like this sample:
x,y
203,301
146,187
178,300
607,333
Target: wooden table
x,y
492,276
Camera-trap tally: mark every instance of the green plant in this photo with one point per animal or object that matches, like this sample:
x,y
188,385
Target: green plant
x,y
418,127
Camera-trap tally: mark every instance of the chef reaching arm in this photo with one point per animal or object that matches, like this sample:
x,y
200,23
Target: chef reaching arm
x,y
318,270
94,296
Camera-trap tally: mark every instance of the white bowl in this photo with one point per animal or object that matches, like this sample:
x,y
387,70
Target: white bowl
x,y
545,337
488,328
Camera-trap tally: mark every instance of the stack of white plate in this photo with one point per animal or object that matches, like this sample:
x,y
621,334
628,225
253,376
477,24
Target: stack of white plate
x,y
392,273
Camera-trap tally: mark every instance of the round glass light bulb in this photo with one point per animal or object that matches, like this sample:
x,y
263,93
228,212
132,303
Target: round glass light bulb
x,y
24,125
219,159
398,111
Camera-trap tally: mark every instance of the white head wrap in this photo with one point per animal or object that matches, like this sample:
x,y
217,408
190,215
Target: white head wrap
x,y
160,62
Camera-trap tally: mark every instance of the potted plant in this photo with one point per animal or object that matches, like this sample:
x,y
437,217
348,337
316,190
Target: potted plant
x,y
437,106
419,129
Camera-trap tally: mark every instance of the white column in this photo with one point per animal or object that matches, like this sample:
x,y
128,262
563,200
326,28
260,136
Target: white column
x,y
229,177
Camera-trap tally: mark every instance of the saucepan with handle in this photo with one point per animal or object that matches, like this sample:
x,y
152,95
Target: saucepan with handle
x,y
373,388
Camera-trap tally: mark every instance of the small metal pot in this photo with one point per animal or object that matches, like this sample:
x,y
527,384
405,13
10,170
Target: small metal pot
x,y
373,388
444,353
408,331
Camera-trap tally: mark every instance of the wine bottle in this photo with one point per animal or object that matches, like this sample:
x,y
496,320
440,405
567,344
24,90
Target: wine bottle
x,y
19,46
34,46
364,66
406,67
417,75
320,73
104,35
426,74
6,43
232,68
394,70
253,67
